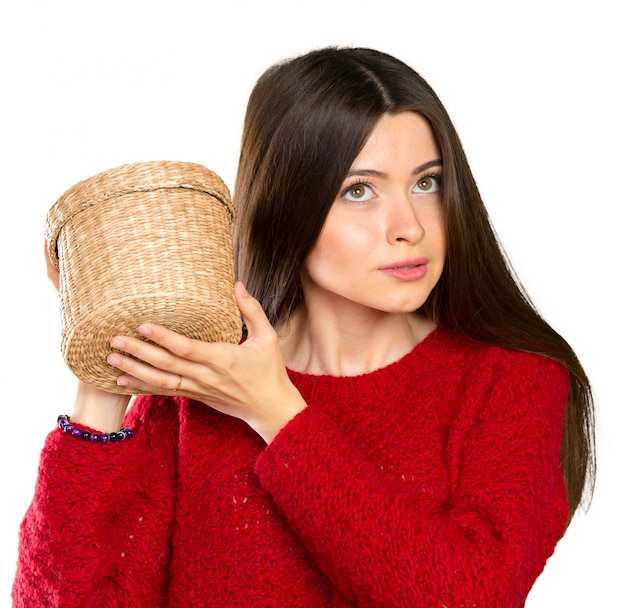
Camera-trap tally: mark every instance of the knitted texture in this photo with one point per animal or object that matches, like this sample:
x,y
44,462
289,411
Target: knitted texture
x,y
434,481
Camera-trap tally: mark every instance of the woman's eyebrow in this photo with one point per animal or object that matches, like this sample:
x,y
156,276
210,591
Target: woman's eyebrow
x,y
429,165
374,173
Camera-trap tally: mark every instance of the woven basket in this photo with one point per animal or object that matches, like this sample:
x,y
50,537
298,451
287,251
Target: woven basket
x,y
143,242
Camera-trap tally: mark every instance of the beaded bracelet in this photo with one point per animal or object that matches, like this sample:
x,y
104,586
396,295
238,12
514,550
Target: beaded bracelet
x,y
64,424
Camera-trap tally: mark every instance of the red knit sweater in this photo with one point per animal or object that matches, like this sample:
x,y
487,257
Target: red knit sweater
x,y
432,482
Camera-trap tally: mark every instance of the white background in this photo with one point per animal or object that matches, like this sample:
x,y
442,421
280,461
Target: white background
x,y
536,90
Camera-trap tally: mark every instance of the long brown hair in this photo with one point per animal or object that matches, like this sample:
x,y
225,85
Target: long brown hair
x,y
306,121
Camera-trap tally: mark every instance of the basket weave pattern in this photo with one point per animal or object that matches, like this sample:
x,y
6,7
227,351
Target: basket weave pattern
x,y
143,242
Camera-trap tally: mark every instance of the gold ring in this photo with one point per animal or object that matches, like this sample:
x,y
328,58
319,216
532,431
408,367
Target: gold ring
x,y
180,380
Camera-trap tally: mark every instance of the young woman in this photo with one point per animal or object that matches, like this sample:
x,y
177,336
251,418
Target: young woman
x,y
399,427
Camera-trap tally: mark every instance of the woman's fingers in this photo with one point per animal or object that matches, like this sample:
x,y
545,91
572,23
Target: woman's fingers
x,y
162,384
52,271
148,367
157,365
176,346
253,314
248,380
173,351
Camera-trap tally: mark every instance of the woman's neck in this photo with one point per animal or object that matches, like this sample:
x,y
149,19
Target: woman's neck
x,y
349,341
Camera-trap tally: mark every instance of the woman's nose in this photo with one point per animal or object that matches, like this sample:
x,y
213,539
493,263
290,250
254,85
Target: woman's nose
x,y
403,221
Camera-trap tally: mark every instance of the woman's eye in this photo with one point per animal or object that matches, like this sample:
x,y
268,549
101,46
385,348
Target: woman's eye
x,y
428,184
358,193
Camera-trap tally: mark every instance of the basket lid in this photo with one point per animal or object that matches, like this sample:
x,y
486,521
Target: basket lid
x,y
128,178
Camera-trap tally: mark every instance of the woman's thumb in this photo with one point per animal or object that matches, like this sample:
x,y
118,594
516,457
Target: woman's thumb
x,y
252,312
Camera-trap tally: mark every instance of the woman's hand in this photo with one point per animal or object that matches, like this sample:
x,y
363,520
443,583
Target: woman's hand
x,y
51,269
93,407
248,381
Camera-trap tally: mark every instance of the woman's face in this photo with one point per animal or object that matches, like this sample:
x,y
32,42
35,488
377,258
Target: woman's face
x,y
382,245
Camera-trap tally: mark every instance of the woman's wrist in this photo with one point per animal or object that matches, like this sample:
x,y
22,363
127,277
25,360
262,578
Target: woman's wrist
x,y
97,409
272,425
79,432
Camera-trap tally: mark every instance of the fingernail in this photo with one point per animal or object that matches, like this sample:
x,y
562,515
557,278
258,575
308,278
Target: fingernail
x,y
118,343
242,289
144,330
114,360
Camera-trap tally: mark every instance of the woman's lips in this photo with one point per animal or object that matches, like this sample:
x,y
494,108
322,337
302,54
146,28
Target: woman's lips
x,y
406,270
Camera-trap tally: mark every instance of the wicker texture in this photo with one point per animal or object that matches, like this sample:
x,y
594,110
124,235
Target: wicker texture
x,y
143,242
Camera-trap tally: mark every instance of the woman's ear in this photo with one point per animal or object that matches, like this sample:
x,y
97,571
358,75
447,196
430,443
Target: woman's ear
x,y
53,271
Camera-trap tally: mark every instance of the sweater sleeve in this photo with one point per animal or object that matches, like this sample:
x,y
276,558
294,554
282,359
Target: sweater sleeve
x,y
382,543
91,536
